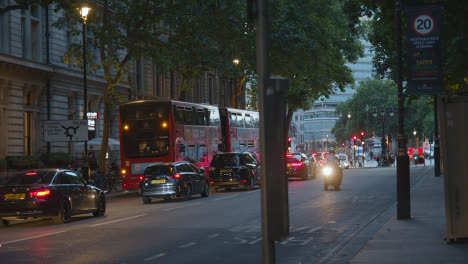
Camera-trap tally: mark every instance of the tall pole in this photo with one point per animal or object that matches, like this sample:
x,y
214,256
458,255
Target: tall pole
x,y
85,93
263,71
403,172
436,140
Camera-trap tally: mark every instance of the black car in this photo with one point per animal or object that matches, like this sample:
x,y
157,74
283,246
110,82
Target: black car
x,y
234,169
49,193
169,179
299,166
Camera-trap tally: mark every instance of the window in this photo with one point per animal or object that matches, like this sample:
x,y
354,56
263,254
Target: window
x,y
73,178
28,133
249,159
184,168
194,169
248,121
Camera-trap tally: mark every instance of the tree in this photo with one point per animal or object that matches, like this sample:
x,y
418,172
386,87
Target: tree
x,y
375,93
455,45
311,42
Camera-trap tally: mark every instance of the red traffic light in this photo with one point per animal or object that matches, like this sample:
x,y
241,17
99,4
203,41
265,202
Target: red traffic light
x,y
355,137
362,133
289,139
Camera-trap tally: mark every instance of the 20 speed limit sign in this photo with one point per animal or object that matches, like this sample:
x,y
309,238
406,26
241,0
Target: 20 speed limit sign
x,y
423,24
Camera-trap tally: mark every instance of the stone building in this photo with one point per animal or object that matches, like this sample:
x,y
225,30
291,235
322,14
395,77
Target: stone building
x,y
36,85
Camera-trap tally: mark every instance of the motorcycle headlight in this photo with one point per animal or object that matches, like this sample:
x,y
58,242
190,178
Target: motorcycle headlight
x,y
327,171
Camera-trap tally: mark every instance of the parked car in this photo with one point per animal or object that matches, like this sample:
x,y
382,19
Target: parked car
x,y
344,163
234,169
299,166
49,193
173,179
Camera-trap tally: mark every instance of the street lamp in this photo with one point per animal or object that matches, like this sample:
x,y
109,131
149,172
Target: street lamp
x,y
414,133
84,10
349,115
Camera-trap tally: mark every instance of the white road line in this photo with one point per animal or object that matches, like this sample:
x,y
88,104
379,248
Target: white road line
x,y
254,191
255,241
123,219
315,229
213,235
226,197
23,239
188,245
155,256
168,209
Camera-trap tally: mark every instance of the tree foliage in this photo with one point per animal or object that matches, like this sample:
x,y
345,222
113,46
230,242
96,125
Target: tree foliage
x,y
455,44
375,94
311,42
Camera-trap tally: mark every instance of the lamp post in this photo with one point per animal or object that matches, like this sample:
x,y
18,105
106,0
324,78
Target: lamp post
x,y
84,16
367,119
383,118
340,115
327,144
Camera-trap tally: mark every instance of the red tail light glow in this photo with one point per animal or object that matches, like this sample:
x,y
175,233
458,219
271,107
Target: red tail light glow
x,y
296,164
288,155
243,180
142,178
212,182
40,193
176,176
31,173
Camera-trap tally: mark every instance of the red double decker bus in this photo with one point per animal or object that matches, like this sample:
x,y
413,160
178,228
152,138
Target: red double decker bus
x,y
166,130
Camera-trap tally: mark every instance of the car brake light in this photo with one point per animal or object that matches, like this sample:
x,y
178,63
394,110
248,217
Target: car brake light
x,y
31,173
212,182
243,180
176,176
40,193
288,155
296,164
141,178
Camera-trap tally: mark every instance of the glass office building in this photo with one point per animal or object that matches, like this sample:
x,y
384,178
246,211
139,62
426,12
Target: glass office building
x,y
315,124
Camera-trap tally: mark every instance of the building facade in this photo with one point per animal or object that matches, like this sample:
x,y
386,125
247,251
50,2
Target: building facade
x,y
315,124
36,85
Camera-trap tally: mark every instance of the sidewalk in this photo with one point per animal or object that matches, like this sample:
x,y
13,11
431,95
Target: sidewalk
x,y
419,240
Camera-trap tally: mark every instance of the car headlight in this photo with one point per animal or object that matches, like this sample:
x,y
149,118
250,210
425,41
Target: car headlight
x,y
346,163
327,171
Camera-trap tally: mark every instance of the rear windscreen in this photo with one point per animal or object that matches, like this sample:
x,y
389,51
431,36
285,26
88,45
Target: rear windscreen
x,y
227,160
292,160
41,177
159,170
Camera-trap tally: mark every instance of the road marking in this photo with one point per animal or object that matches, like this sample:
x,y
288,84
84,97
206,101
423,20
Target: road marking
x,y
315,229
188,245
226,197
253,191
255,241
28,238
155,256
168,209
115,221
214,235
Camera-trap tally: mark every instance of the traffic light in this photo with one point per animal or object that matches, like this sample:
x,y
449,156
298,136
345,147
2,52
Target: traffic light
x,y
362,138
289,143
354,140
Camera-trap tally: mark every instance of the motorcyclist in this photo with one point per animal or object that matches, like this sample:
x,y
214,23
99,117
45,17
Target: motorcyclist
x,y
334,162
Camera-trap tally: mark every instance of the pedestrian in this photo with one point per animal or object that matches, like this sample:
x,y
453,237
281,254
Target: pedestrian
x,y
378,161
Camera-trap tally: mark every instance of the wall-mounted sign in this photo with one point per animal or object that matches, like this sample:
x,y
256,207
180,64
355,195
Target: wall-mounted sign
x,y
94,115
424,50
65,130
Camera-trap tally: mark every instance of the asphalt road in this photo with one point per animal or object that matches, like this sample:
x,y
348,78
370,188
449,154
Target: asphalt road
x,y
223,228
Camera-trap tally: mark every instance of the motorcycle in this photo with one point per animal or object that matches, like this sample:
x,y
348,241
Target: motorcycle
x,y
332,176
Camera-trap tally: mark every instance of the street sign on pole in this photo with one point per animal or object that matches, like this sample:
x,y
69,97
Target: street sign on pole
x,y
65,130
424,53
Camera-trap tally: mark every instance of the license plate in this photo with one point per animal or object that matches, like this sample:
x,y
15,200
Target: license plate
x,y
15,196
158,181
225,170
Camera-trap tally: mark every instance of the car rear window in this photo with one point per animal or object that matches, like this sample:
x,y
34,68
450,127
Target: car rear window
x,y
226,160
40,177
159,170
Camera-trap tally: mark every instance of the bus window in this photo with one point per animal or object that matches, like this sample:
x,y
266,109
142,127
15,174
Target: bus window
x,y
179,117
248,121
240,120
214,118
189,116
233,119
